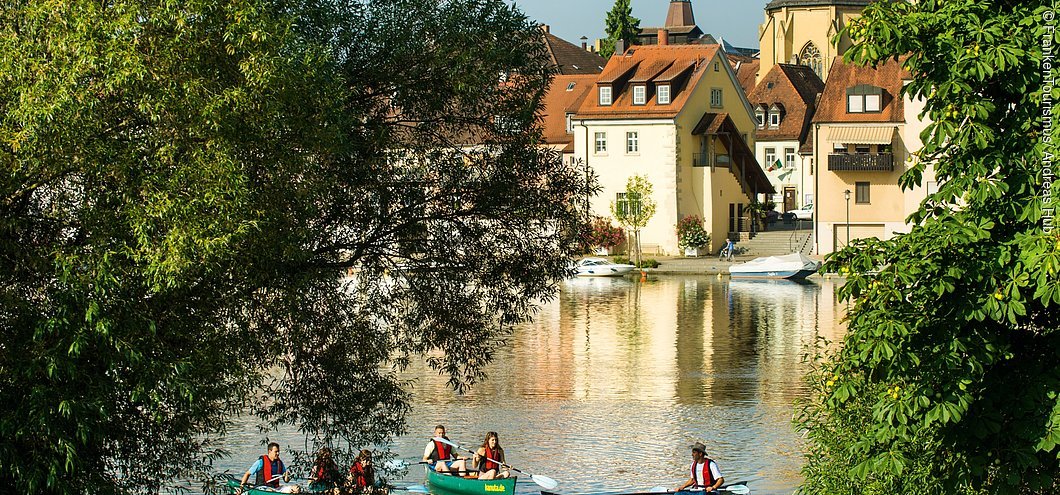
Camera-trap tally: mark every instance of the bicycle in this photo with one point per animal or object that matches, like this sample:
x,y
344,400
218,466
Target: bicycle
x,y
727,251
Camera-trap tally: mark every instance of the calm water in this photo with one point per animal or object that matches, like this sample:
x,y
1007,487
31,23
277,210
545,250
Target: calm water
x,y
616,378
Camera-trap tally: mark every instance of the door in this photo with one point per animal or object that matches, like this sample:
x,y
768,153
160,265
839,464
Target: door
x,y
789,199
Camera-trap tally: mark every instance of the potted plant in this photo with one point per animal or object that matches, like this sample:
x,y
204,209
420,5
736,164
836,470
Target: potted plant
x,y
691,236
602,237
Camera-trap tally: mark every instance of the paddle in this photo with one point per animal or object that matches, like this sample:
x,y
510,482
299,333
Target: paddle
x,y
543,481
411,489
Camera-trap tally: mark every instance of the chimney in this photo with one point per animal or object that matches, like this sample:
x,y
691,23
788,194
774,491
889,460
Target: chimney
x,y
664,36
585,43
620,47
544,27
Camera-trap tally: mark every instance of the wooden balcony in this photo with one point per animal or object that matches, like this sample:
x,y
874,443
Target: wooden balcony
x,y
882,162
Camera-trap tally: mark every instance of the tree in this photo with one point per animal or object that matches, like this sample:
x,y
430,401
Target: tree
x,y
621,25
946,381
267,205
635,209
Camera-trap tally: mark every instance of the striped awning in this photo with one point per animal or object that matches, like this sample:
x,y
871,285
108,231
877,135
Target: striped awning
x,y
862,134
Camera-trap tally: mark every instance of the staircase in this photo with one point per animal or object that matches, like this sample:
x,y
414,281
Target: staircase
x,y
778,240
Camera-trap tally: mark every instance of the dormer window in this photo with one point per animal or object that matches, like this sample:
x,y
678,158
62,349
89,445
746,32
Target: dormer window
x,y
662,92
570,86
640,94
760,116
605,96
774,118
864,98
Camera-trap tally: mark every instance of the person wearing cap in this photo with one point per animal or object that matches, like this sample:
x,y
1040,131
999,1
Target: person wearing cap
x,y
704,474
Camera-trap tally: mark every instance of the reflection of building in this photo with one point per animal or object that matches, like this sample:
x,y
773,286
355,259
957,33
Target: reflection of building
x,y
866,135
677,115
801,32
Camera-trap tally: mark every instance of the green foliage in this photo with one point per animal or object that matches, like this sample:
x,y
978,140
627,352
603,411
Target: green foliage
x,y
644,263
620,25
948,373
186,183
636,208
691,234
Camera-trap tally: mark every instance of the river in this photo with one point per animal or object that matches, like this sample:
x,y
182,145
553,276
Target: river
x,y
616,378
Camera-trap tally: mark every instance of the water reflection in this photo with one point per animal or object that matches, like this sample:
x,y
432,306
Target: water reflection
x,y
616,378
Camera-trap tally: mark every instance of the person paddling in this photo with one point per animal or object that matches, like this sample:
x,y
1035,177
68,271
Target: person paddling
x,y
440,455
267,471
704,474
485,455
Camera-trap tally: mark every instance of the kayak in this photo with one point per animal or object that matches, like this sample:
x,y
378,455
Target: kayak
x,y
233,487
458,485
738,488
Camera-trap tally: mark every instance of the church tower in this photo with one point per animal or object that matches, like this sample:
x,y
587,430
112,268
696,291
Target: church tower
x,y
801,32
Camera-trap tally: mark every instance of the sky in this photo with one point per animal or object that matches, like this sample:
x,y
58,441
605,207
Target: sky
x,y
735,20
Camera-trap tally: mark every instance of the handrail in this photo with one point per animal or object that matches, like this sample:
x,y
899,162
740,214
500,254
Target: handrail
x,y
794,235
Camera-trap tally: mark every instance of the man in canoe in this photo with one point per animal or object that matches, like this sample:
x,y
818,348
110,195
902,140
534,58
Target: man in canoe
x,y
268,470
704,474
440,455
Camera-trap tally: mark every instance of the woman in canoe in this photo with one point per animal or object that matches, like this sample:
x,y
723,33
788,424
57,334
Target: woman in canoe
x,y
489,458
362,475
325,471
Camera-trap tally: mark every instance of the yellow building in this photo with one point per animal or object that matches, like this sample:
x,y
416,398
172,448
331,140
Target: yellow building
x,y
801,32
865,137
677,115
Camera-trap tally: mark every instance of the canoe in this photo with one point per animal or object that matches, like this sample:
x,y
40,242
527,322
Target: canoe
x,y
233,487
457,485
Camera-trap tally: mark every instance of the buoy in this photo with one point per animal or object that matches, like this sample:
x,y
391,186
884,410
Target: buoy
x,y
643,275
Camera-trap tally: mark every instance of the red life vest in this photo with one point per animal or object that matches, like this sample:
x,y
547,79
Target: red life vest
x,y
486,464
708,477
442,452
360,475
267,472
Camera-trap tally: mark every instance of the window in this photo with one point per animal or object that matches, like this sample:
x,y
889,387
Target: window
x,y
861,190
716,67
789,158
811,57
760,116
715,97
639,95
632,142
601,142
861,149
839,149
627,206
570,86
864,98
605,95
663,91
771,158
774,118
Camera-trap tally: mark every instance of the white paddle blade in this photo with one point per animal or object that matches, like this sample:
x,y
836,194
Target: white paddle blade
x,y
544,481
658,489
737,489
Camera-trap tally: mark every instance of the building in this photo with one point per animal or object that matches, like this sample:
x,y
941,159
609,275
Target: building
x,y
801,32
866,135
680,27
676,114
576,73
569,58
784,103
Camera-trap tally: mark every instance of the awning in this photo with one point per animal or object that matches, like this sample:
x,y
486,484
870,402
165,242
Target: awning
x,y
862,135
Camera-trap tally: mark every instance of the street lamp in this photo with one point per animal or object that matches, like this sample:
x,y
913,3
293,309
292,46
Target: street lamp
x,y
846,195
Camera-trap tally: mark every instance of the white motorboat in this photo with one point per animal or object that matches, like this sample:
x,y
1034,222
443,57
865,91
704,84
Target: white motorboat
x,y
600,267
792,266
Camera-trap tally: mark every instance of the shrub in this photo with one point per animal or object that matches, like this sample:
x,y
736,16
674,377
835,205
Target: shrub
x,y
691,234
602,233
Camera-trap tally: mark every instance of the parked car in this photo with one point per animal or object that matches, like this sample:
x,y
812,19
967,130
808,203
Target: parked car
x,y
804,213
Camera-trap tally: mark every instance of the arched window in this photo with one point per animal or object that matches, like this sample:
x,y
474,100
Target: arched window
x,y
811,57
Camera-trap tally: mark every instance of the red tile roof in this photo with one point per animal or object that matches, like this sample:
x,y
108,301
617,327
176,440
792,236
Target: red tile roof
x,y
746,69
888,75
793,89
559,101
621,66
570,58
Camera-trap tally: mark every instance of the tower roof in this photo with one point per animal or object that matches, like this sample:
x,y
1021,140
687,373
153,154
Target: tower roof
x,y
680,14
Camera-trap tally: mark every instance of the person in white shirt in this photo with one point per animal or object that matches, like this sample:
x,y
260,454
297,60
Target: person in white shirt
x,y
704,473
440,455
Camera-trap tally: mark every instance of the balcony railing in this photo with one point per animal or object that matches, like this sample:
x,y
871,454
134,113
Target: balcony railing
x,y
700,160
882,162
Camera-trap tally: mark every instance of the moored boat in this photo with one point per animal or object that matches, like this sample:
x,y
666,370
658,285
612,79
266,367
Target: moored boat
x,y
600,267
791,266
458,485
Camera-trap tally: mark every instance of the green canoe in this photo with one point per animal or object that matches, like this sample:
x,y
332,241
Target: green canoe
x,y
456,485
233,487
